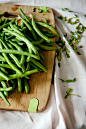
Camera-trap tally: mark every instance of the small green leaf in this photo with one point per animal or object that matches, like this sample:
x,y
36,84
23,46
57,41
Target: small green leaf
x,y
61,79
85,15
68,90
33,9
62,9
66,96
78,53
45,20
80,46
65,35
69,11
67,50
76,15
60,17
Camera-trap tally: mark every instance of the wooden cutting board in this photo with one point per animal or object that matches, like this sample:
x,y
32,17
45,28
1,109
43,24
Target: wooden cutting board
x,y
40,82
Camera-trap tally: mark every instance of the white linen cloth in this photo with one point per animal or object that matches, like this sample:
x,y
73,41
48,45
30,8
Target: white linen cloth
x,y
60,113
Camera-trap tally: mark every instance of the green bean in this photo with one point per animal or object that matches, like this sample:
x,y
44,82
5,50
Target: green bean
x,y
26,86
41,56
28,67
39,32
6,66
3,20
16,22
4,76
49,44
5,25
10,46
11,55
34,66
37,42
50,36
14,76
29,27
19,85
18,52
17,41
13,87
27,36
0,21
46,47
16,30
48,27
4,85
38,64
22,24
24,16
19,49
2,59
6,20
8,61
4,70
29,44
6,89
45,32
4,98
9,38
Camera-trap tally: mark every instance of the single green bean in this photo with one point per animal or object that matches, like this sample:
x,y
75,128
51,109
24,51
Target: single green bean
x,y
48,27
37,42
19,85
35,66
2,58
26,86
6,20
13,87
18,52
6,66
4,76
22,13
4,70
39,32
16,22
38,64
22,24
14,76
4,98
46,32
46,47
49,35
4,85
41,56
28,67
0,21
6,89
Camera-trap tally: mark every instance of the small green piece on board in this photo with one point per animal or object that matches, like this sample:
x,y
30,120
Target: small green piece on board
x,y
33,105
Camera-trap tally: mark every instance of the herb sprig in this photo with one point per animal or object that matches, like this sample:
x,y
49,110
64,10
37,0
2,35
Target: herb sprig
x,y
67,93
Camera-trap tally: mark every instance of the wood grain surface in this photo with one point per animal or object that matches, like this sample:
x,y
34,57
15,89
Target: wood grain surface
x,y
40,82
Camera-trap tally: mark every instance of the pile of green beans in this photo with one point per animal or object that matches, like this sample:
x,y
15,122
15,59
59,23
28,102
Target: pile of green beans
x,y
20,52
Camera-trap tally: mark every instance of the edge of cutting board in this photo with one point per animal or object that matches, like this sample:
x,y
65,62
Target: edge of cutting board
x,y
41,89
